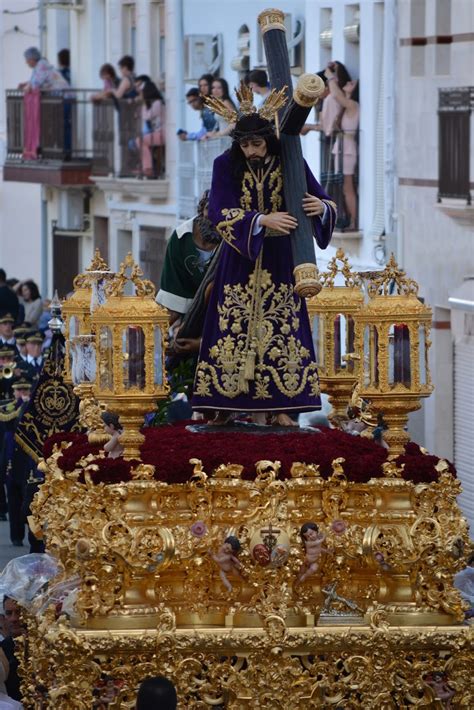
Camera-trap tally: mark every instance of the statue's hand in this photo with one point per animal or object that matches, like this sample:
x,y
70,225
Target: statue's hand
x,y
279,221
312,205
182,346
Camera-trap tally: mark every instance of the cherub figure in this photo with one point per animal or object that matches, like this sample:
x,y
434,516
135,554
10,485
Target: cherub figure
x,y
112,426
313,540
226,558
438,682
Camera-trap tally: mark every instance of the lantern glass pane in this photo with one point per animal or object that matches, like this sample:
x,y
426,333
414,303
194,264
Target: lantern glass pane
x,y
100,280
158,357
106,363
83,366
350,343
399,369
89,356
339,331
318,339
371,356
422,355
73,326
133,357
76,366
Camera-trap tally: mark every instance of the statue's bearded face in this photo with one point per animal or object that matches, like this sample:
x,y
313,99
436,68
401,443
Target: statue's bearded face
x,y
254,149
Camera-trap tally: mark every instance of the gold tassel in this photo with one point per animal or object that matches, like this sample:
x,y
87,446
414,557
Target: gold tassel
x,y
243,384
249,372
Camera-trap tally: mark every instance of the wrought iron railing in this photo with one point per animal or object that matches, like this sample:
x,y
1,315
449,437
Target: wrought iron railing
x,y
195,171
71,126
339,172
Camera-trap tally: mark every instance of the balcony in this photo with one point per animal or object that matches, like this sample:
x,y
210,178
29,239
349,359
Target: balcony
x,y
67,139
334,163
195,171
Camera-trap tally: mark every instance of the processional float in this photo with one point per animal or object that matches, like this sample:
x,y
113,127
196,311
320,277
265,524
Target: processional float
x,y
304,586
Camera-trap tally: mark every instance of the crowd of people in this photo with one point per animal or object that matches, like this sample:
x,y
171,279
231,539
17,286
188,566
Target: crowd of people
x,y
24,341
141,92
337,121
337,114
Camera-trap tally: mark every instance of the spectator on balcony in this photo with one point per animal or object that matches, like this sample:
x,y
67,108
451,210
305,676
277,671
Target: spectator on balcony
x,y
126,88
153,126
346,144
331,109
205,84
44,76
111,81
31,300
64,58
220,90
209,121
258,82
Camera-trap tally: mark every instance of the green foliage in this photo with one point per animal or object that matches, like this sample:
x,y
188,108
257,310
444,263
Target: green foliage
x,y
181,380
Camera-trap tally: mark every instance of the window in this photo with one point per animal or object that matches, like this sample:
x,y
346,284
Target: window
x,y
455,111
418,37
129,29
157,44
443,37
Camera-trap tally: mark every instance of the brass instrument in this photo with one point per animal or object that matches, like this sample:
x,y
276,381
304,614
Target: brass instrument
x,y
7,371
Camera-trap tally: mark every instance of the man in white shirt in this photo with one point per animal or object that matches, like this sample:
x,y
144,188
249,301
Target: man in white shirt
x,y
258,82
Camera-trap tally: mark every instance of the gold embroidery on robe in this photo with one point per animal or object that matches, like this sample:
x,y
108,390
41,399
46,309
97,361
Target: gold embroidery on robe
x,y
246,197
281,358
226,227
276,186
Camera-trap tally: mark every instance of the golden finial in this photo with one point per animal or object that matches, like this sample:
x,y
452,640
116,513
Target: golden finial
x,y
392,280
339,264
98,263
143,287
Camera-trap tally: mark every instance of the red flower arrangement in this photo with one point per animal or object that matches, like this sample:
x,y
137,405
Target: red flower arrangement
x,y
169,449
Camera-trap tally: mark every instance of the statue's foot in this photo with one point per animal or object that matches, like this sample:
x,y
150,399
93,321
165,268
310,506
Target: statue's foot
x,y
259,417
282,419
222,418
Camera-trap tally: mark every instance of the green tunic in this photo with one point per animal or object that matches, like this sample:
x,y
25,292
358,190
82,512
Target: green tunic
x,y
183,270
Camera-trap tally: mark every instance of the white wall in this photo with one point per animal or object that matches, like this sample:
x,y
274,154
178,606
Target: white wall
x,y
20,207
435,249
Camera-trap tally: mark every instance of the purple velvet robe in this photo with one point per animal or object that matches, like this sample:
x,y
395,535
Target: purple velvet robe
x,y
257,350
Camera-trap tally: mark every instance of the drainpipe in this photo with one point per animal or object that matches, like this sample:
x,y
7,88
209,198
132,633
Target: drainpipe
x,y
390,166
44,201
44,243
42,27
179,74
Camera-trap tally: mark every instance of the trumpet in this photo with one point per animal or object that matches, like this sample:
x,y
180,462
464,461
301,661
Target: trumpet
x,y
7,371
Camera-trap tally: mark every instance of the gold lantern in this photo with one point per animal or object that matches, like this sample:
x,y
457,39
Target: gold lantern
x,y
332,315
77,308
77,311
394,327
130,336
